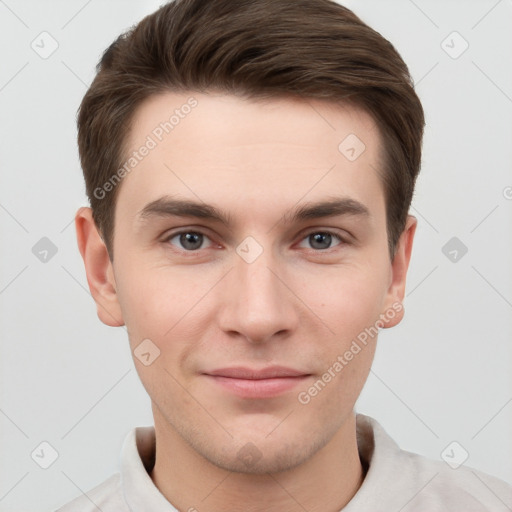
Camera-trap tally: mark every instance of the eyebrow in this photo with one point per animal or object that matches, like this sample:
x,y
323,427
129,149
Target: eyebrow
x,y
166,206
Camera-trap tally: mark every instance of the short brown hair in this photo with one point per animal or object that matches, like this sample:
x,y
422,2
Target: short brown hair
x,y
313,49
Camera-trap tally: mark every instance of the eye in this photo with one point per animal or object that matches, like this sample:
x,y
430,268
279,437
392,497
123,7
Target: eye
x,y
321,240
192,241
189,240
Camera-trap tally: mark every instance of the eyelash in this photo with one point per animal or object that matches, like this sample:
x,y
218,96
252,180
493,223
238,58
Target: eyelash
x,y
342,240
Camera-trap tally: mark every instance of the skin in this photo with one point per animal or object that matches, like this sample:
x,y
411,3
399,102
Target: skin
x,y
296,305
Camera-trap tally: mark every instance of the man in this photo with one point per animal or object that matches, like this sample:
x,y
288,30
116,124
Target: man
x,y
250,167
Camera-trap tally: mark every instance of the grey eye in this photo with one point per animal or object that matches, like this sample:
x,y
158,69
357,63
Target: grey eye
x,y
189,240
322,240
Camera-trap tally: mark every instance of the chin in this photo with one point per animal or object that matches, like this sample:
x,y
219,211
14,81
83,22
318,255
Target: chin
x,y
262,456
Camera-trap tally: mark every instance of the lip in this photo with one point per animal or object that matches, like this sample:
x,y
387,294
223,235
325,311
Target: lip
x,y
257,383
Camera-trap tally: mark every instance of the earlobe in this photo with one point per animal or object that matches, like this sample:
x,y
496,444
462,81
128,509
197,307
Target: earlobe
x,y
394,309
98,268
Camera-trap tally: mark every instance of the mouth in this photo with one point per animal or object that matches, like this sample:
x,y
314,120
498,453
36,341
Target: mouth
x,y
257,383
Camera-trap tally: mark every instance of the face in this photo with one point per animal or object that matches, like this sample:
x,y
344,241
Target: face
x,y
253,298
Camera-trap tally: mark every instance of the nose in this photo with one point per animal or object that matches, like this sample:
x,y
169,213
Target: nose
x,y
258,300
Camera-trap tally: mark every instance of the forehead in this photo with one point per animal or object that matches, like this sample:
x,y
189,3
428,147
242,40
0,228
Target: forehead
x,y
230,151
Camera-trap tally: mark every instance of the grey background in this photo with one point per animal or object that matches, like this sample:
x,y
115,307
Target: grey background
x,y
442,375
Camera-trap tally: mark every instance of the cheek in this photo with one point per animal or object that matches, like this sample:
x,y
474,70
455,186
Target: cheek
x,y
354,314
150,306
347,299
166,308
149,294
155,311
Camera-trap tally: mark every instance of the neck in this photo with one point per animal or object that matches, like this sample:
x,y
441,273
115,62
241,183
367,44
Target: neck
x,y
326,482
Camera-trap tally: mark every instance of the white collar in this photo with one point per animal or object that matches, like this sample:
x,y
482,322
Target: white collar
x,y
376,449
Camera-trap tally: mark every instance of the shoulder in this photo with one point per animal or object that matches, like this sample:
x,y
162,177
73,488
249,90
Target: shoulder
x,y
107,497
461,488
411,482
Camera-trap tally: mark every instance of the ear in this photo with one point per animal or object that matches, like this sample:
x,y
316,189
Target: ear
x,y
399,265
98,267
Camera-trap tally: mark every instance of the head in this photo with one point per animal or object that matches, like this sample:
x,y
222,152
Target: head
x,y
257,111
